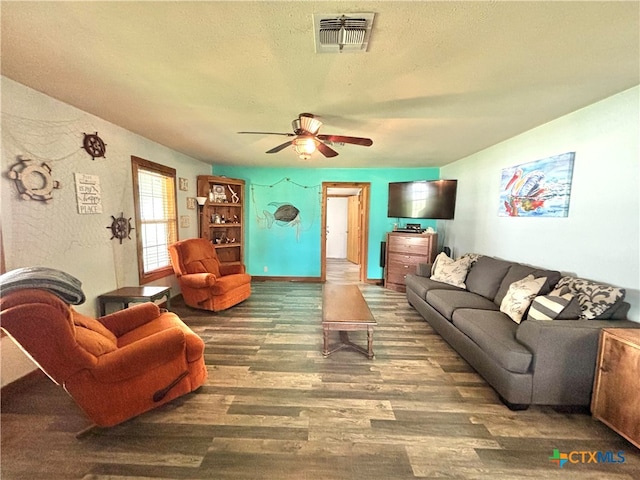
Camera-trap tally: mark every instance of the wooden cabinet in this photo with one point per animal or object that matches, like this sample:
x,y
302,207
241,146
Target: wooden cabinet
x,y
404,252
221,218
616,392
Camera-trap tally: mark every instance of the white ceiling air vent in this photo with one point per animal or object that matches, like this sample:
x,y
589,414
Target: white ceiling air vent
x,y
336,33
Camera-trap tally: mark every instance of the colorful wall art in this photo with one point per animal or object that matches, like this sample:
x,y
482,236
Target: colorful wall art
x,y
286,204
537,189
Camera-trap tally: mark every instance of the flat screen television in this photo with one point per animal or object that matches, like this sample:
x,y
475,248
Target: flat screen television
x,y
435,199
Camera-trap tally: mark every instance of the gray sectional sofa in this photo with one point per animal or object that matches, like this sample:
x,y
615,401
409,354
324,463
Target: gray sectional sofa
x,y
542,362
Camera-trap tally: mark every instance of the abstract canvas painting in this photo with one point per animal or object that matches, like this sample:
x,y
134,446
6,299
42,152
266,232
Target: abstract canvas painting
x,y
537,189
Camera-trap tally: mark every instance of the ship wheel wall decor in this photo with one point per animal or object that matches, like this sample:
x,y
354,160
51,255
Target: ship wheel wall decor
x,y
120,228
94,145
34,182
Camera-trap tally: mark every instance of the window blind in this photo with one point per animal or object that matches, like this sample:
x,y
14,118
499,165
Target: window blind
x,y
156,193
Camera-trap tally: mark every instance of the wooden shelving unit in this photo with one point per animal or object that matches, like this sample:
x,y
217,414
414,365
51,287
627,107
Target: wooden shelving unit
x,y
222,216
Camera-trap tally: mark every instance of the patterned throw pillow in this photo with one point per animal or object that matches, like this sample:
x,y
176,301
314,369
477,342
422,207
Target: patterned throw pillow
x,y
448,271
520,295
473,257
594,298
550,307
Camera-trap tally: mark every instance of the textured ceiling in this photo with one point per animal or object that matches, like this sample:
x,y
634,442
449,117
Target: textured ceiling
x,y
440,80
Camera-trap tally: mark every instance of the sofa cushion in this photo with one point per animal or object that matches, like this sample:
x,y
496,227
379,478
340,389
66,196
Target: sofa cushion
x,y
485,276
92,335
518,271
198,257
93,342
204,265
448,301
421,285
520,295
495,334
452,272
81,320
229,282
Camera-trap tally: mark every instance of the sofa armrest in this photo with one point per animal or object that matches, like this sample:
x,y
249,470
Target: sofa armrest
x,y
198,280
424,269
564,358
141,357
231,269
128,319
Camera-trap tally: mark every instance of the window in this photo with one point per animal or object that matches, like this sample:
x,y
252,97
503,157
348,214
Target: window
x,y
154,196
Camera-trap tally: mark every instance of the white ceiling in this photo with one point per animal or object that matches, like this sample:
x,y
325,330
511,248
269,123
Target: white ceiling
x,y
440,80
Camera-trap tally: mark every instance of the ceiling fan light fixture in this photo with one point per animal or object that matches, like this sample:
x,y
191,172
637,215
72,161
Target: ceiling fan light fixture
x,y
304,147
307,140
309,123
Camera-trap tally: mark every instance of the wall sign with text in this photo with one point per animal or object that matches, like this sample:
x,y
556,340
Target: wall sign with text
x,y
88,193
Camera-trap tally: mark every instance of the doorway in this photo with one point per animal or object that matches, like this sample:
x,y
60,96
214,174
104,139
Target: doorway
x,y
345,235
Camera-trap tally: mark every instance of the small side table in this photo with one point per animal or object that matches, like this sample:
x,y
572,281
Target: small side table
x,y
126,295
615,399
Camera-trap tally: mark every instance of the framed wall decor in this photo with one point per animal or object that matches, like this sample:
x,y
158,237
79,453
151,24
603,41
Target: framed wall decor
x,y
191,203
219,194
88,193
183,184
541,188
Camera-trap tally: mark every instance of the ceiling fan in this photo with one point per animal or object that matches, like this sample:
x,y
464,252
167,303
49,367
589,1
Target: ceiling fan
x,y
307,140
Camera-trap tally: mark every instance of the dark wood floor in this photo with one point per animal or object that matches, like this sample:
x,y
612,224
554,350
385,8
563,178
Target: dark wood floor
x,y
274,408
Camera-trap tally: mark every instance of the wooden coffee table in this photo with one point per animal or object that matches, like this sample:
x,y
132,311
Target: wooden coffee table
x,y
344,309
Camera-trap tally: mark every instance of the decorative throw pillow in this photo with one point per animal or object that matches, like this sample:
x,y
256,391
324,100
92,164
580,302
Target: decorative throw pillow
x,y
473,257
594,298
550,307
452,272
571,311
520,295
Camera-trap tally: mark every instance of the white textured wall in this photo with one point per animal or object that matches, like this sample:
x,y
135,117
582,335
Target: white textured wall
x,y
600,239
53,234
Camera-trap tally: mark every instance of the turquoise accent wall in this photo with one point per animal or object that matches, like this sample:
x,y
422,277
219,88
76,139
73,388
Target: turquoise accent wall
x,y
291,248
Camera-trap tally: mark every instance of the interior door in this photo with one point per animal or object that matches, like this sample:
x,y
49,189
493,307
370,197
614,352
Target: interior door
x,y
337,227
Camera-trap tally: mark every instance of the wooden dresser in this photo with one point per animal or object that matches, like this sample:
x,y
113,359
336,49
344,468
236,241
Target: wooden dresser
x,y
404,252
616,391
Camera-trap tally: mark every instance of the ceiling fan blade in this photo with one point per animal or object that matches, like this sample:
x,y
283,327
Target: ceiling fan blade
x,y
365,142
271,133
326,150
280,147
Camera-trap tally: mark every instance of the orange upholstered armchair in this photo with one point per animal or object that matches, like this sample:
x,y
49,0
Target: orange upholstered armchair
x,y
204,281
115,367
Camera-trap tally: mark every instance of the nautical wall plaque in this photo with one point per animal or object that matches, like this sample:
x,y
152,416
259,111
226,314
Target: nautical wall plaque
x,y
88,193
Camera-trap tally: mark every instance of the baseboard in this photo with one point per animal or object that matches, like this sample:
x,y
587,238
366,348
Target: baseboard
x,y
262,278
21,384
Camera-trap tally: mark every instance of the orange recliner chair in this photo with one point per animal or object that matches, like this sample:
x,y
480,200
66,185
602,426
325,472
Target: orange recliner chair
x,y
116,367
204,281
